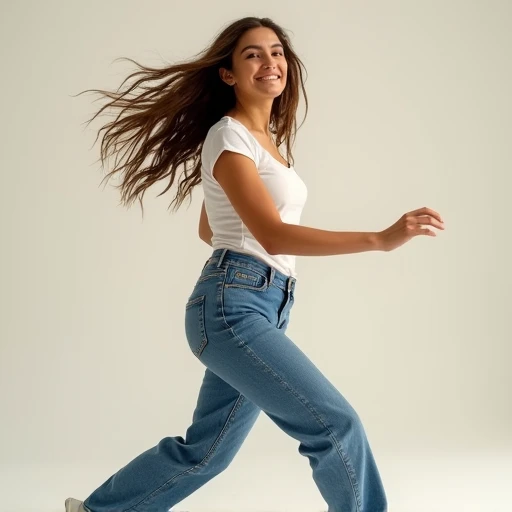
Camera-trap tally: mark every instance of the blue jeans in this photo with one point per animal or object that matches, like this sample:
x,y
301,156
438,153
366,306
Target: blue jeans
x,y
235,323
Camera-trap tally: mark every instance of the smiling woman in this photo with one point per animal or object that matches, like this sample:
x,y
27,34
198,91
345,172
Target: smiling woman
x,y
226,113
166,122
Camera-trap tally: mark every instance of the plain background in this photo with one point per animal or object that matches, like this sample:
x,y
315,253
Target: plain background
x,y
410,106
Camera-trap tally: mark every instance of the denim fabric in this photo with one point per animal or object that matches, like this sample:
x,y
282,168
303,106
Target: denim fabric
x,y
235,323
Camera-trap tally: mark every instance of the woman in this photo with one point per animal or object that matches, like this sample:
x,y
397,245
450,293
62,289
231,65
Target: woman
x,y
229,111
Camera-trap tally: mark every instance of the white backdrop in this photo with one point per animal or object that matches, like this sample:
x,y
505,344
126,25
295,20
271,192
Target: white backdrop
x,y
410,106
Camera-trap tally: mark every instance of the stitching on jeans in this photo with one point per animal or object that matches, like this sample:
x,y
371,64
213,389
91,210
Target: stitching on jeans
x,y
208,276
302,400
225,428
250,266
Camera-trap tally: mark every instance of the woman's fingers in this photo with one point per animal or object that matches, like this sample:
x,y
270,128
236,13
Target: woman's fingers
x,y
427,211
424,219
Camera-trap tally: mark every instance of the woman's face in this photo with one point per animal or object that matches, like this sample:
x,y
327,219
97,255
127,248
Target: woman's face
x,y
258,53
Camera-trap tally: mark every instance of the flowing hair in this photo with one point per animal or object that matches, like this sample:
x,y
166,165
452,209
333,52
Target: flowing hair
x,y
165,115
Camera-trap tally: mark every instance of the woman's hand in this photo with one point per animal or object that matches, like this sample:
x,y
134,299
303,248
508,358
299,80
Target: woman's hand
x,y
409,226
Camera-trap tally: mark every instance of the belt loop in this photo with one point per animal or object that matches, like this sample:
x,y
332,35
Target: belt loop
x,y
221,259
272,275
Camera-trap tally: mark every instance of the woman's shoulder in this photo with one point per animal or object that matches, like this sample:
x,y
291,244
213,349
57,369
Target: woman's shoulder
x,y
228,129
227,133
227,123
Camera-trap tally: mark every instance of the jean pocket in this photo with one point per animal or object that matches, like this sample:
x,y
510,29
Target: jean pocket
x,y
195,325
247,278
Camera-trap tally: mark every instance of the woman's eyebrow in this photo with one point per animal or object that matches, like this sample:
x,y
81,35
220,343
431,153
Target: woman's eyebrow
x,y
258,47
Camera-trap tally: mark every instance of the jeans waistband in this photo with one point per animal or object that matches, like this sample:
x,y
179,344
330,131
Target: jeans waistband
x,y
275,277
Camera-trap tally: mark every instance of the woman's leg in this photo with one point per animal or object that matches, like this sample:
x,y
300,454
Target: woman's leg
x,y
235,325
173,469
237,330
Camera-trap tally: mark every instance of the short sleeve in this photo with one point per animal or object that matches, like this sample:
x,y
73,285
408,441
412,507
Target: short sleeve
x,y
227,137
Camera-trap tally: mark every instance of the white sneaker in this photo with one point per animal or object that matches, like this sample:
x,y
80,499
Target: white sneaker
x,y
73,505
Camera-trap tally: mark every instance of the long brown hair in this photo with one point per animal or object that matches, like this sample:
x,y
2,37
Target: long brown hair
x,y
164,125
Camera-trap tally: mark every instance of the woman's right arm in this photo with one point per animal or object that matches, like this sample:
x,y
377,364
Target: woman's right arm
x,y
239,178
306,241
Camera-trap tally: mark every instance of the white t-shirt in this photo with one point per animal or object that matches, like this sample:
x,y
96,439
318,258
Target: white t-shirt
x,y
285,186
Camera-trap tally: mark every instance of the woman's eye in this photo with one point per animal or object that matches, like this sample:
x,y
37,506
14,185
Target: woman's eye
x,y
279,53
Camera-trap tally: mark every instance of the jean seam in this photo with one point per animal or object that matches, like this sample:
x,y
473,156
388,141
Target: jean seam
x,y
243,264
206,458
302,400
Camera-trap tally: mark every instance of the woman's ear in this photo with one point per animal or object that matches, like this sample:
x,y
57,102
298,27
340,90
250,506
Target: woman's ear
x,y
226,76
